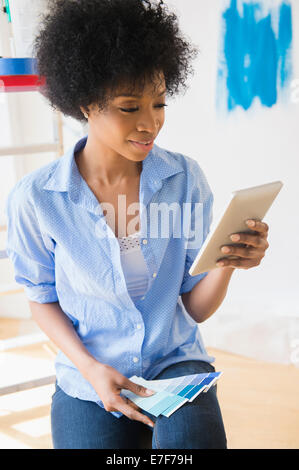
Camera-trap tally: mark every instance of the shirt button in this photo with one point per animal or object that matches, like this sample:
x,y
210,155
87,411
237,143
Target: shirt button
x,y
144,241
138,326
135,359
154,274
142,298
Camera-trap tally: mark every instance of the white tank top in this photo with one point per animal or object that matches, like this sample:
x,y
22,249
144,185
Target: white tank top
x,y
134,266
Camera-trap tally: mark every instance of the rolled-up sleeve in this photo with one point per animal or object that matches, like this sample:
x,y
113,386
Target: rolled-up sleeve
x,y
200,222
33,261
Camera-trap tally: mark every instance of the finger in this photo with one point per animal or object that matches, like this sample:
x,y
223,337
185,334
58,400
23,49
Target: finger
x,y
124,407
242,251
256,241
131,403
258,226
238,263
137,389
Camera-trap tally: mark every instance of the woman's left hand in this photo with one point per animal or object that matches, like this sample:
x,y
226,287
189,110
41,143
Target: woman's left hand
x,y
250,248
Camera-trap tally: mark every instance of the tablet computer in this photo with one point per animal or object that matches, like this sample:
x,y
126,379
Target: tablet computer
x,y
244,204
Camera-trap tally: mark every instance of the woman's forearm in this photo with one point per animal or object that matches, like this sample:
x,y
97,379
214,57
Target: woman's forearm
x,y
58,327
208,294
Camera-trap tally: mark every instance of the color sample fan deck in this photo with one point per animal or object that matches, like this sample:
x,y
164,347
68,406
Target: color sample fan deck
x,y
172,393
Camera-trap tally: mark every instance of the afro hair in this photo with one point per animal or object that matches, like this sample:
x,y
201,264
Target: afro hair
x,y
87,49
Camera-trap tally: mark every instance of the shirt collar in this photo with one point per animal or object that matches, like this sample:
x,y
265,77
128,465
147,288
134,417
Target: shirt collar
x,y
158,165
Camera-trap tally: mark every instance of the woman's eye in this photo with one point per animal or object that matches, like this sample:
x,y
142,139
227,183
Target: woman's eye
x,y
131,110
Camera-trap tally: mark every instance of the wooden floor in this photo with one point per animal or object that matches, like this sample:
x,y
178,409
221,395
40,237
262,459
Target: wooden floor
x,y
259,402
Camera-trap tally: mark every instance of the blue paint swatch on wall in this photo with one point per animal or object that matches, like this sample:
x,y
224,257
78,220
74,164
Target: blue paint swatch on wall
x,y
255,58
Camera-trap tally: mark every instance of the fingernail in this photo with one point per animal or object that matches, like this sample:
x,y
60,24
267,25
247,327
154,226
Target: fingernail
x,y
149,392
151,425
235,238
251,223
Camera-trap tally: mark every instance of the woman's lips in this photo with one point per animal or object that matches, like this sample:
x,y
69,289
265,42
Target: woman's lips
x,y
140,146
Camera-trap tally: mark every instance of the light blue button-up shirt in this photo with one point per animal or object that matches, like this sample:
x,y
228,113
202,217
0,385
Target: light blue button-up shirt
x,y
64,251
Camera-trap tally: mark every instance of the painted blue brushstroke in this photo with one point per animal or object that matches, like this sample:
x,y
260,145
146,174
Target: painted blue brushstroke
x,y
253,57
265,64
284,43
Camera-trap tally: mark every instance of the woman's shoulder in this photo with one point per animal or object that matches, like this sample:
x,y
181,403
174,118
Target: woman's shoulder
x,y
33,182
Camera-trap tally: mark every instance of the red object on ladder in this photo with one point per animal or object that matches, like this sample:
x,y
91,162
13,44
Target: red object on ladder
x,y
13,83
19,74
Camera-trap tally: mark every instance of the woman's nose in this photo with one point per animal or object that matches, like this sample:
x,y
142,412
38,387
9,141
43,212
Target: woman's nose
x,y
149,123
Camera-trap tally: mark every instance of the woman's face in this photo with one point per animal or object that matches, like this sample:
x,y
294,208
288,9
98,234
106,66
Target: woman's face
x,y
127,119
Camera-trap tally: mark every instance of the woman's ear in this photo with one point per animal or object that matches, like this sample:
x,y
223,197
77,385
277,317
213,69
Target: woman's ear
x,y
84,112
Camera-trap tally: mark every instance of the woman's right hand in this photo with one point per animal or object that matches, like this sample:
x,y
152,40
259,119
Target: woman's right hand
x,y
108,383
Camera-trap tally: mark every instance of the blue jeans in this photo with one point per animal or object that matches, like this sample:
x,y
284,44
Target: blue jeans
x,y
81,424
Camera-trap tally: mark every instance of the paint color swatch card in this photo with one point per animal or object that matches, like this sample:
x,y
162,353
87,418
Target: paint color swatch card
x,y
188,386
172,393
156,404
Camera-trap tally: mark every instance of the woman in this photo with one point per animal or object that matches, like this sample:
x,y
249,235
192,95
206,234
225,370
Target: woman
x,y
107,288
